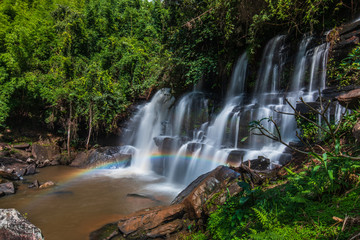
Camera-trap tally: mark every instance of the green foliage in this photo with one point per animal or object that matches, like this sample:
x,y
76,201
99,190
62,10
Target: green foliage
x,y
346,72
297,17
90,58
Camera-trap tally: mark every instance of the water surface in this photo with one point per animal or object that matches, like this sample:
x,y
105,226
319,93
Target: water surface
x,y
83,201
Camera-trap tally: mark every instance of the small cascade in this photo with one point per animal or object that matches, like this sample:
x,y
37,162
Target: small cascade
x,y
194,141
145,126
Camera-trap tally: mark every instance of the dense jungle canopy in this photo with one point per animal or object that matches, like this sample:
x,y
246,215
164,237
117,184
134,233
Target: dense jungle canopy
x,y
81,64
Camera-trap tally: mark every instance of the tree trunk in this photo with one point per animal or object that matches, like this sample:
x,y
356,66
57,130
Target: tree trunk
x,y
69,133
90,127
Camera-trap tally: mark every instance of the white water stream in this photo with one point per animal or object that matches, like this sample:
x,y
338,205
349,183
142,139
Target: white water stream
x,y
191,141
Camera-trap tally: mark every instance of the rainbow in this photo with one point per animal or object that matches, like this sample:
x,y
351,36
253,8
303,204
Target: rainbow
x,y
81,172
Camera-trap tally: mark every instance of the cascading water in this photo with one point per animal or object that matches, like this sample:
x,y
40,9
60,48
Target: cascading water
x,y
194,143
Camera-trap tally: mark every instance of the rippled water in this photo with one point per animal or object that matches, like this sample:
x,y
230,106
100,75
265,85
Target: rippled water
x,y
83,200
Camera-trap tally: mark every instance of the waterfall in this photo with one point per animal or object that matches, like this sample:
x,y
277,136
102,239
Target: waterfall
x,y
145,126
193,140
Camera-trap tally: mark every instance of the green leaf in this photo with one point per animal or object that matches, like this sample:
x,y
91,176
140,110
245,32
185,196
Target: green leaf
x,y
243,200
244,185
331,175
244,139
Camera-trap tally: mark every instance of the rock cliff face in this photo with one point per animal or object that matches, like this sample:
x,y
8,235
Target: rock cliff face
x,y
193,204
346,38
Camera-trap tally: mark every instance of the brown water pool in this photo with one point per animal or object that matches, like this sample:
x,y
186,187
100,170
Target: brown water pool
x,y
83,201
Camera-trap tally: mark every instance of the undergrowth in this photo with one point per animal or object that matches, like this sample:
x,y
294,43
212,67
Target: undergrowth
x,y
298,209
322,201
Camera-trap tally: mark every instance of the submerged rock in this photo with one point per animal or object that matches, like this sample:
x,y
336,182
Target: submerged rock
x,y
47,185
14,226
35,184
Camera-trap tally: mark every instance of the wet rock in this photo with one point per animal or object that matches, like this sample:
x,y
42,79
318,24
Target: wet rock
x,y
41,164
106,232
285,158
47,185
22,146
330,93
14,226
349,37
350,27
30,169
235,157
208,189
167,144
356,131
166,229
151,221
45,155
101,156
192,147
21,154
304,109
35,184
16,166
137,195
8,176
261,163
7,188
350,99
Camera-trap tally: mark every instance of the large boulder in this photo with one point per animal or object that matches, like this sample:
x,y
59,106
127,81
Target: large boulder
x,y
151,222
350,99
208,191
16,166
16,227
101,156
46,155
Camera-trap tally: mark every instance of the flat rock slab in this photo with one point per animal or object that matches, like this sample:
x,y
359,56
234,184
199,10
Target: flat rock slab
x,y
13,226
151,221
7,188
22,146
350,99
